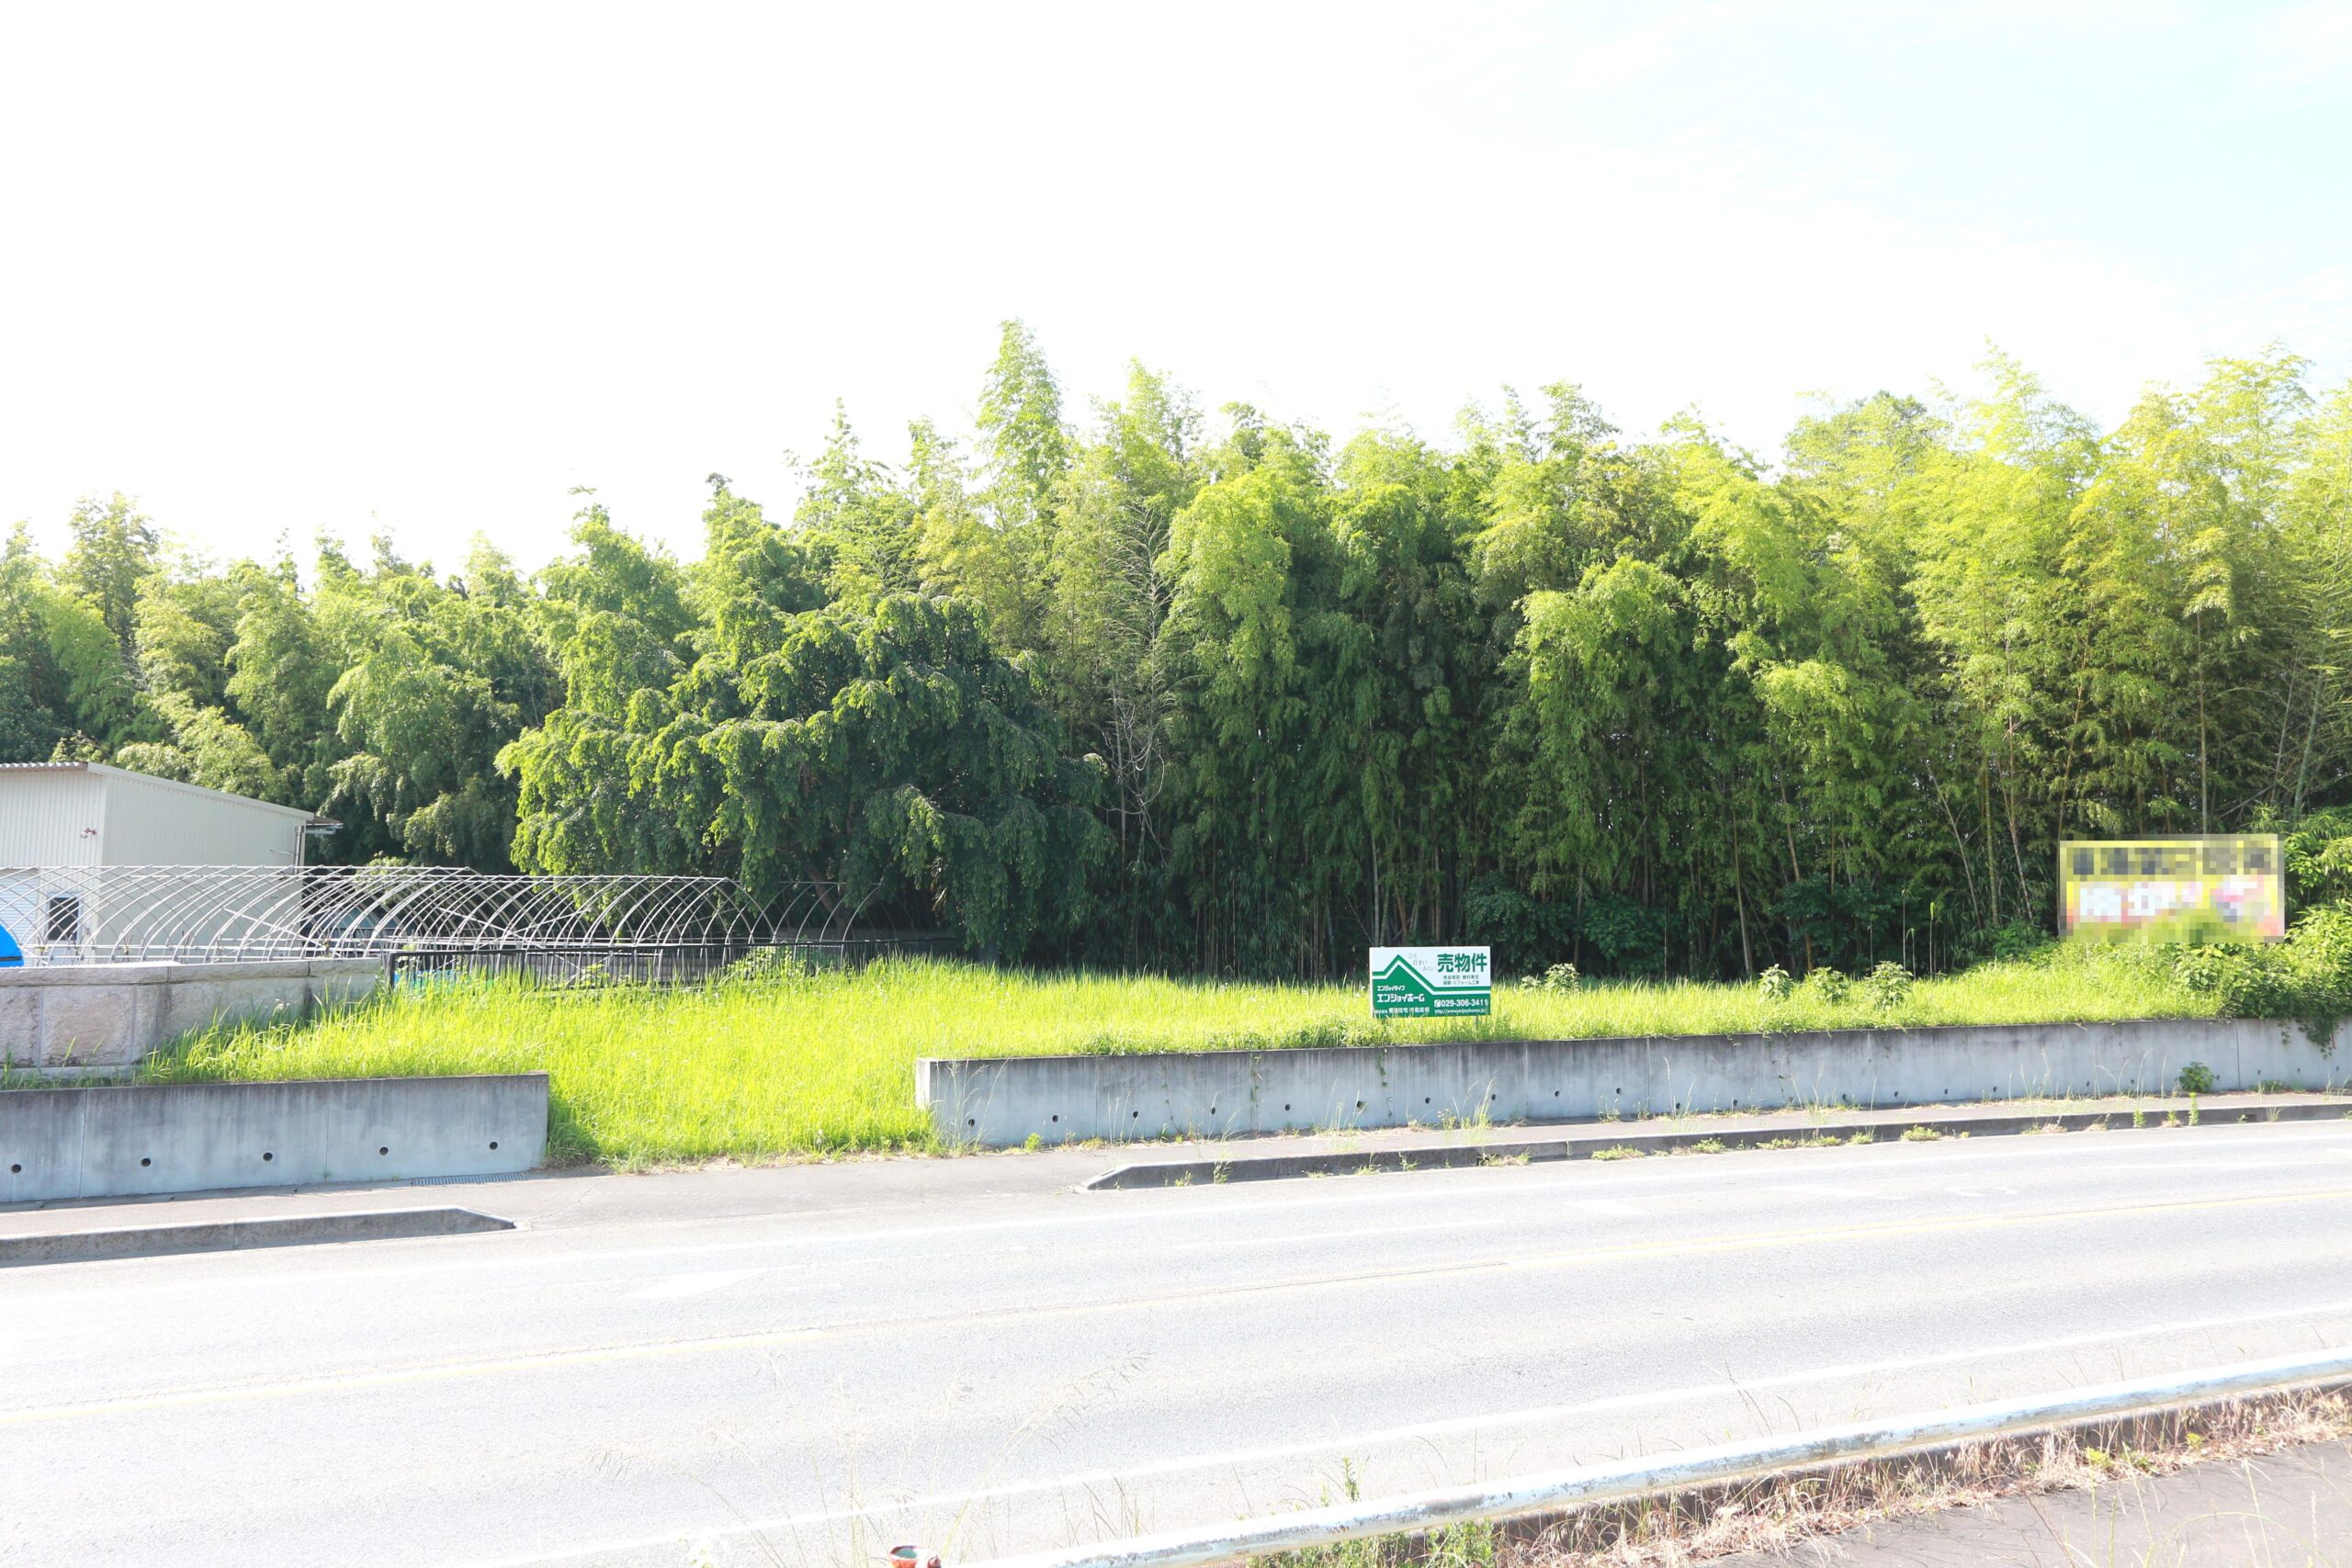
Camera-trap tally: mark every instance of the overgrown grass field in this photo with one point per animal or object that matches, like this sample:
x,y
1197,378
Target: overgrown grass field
x,y
811,1065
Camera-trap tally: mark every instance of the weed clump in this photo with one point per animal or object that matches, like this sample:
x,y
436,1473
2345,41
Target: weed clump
x,y
1828,987
2307,978
1558,978
1888,987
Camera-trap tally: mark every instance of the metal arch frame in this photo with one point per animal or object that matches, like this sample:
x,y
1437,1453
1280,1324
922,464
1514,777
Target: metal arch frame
x,y
226,914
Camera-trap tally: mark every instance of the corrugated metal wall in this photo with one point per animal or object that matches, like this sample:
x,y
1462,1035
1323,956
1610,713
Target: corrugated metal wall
x,y
156,822
100,816
52,818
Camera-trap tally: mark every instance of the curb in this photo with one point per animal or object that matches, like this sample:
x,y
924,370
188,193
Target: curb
x,y
1541,1497
233,1236
1456,1157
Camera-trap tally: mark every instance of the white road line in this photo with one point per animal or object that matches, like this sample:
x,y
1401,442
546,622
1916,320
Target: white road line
x,y
2303,1162
1294,1238
679,1285
1608,1208
1823,1189
1356,1443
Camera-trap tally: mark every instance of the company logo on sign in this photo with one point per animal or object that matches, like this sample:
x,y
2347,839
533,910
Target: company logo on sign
x,y
1430,982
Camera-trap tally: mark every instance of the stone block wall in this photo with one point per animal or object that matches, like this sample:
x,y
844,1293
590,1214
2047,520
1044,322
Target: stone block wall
x,y
110,1016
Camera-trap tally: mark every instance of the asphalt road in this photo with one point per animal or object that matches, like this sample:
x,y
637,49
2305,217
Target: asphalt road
x,y
811,1365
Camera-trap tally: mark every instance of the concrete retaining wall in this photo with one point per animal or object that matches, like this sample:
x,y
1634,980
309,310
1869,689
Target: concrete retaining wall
x,y
1001,1101
111,1015
125,1141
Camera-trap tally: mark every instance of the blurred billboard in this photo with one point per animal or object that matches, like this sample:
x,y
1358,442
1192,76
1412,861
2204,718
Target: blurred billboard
x,y
2216,887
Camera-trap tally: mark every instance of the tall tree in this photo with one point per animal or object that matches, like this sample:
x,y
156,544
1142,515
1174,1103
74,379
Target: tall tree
x,y
114,550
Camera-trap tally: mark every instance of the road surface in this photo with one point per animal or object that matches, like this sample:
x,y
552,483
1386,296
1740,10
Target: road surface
x,y
812,1364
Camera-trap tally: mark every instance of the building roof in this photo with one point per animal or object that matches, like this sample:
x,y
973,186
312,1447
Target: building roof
x,y
309,818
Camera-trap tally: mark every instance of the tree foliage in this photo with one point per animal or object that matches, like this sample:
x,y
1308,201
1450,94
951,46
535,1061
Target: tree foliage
x,y
1141,685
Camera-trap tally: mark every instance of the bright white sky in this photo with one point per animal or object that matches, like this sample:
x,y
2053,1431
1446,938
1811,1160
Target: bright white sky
x,y
423,268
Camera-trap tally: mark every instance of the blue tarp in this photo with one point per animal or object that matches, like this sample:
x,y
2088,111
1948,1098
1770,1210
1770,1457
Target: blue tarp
x,y
11,955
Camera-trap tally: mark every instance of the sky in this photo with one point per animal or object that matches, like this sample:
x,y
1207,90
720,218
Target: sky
x,y
423,270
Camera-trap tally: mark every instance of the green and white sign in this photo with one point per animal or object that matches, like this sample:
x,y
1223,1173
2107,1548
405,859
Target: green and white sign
x,y
1432,982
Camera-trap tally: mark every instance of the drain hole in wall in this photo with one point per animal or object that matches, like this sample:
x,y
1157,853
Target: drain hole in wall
x,y
16,1170
144,1160
493,1143
267,1157
385,1150
1057,1118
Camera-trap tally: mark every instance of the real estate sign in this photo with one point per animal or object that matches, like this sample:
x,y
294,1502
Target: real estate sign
x,y
2223,887
1429,982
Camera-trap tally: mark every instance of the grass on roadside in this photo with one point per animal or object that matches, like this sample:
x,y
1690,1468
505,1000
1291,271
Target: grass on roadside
x,y
817,1064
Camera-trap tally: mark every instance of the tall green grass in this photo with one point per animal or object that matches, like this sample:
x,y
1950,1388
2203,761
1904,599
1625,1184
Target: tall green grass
x,y
823,1064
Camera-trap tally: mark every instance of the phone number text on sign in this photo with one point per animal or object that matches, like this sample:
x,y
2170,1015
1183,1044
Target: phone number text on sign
x,y
1427,982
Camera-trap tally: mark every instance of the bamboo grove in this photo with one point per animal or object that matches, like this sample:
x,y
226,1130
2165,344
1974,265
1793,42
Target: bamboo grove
x,y
1150,686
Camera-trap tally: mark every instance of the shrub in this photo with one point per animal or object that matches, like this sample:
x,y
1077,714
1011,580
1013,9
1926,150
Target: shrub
x,y
1828,986
1775,984
2197,1078
769,964
1887,986
1562,978
2307,978
2017,939
2249,982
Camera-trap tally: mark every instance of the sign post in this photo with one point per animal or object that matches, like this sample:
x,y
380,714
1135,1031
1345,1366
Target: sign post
x,y
1432,982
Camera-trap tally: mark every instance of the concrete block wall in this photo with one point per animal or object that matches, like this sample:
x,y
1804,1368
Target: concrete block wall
x,y
1001,1101
113,1015
119,1140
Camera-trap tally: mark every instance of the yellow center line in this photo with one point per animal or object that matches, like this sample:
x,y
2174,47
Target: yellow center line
x,y
347,1383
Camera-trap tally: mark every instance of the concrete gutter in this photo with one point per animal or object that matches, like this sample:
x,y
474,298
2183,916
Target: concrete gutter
x,y
230,1236
1776,1134
1626,1480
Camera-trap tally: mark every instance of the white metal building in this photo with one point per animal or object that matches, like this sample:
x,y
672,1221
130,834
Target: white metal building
x,y
60,823
89,814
